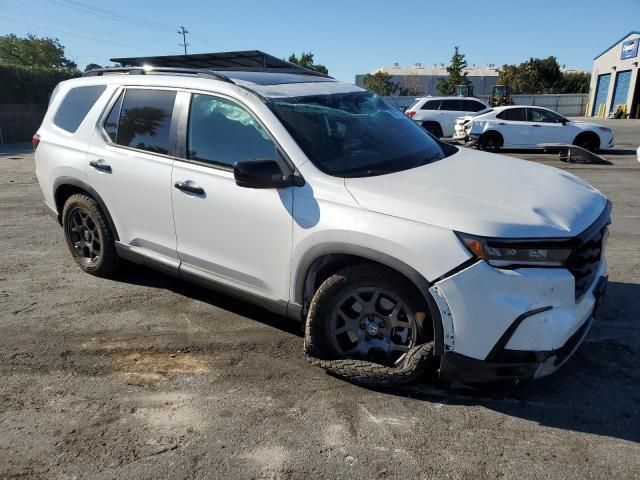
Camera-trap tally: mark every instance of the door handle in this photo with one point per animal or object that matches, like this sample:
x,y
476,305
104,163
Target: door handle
x,y
537,126
189,187
101,165
502,123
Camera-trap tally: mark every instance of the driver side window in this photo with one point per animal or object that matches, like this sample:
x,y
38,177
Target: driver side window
x,y
221,132
544,116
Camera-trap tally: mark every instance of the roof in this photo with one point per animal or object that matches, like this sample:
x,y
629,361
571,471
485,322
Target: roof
x,y
247,60
632,32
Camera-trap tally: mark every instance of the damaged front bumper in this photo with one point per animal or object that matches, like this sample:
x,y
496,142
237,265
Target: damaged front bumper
x,y
504,364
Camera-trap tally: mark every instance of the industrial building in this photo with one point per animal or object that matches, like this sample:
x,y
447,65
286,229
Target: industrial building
x,y
615,80
421,80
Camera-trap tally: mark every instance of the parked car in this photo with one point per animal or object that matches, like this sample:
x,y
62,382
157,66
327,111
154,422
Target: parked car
x,y
524,127
318,200
438,114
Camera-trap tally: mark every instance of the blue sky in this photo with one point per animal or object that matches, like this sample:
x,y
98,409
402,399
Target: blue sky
x,y
349,37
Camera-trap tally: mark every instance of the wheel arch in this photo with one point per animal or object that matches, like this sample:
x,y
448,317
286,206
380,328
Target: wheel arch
x,y
64,187
435,123
324,260
588,133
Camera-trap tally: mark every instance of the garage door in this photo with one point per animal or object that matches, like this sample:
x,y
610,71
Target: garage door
x,y
601,92
621,88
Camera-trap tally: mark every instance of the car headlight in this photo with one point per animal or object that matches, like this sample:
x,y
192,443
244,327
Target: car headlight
x,y
515,253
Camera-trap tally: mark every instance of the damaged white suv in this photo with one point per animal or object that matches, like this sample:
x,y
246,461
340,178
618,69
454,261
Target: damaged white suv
x,y
318,200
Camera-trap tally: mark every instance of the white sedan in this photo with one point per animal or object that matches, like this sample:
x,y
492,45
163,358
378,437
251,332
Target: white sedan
x,y
519,126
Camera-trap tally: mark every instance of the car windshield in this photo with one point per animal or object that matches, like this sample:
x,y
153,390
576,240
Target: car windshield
x,y
357,134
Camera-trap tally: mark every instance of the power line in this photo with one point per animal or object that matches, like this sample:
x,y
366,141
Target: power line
x,y
110,15
184,43
101,40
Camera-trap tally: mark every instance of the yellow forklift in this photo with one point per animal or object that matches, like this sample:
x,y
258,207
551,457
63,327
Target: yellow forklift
x,y
500,96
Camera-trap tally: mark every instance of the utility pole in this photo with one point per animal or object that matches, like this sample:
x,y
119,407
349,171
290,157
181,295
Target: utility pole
x,y
184,43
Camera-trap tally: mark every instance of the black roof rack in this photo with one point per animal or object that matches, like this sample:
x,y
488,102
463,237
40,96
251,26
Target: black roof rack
x,y
246,61
145,70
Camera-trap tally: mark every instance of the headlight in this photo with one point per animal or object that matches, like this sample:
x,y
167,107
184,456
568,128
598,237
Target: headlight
x,y
604,129
514,253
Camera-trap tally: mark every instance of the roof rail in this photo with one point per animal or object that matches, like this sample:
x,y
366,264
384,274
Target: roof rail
x,y
200,72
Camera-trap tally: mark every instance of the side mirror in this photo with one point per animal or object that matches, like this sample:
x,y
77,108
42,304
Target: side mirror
x,y
263,174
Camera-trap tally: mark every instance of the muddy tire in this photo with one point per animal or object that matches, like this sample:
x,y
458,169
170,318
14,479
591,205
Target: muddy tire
x,y
88,235
369,325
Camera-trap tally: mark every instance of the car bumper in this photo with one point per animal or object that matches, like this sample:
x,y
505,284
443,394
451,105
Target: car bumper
x,y
510,365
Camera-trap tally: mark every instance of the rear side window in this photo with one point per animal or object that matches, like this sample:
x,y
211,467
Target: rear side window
x,y
451,105
222,132
141,119
431,105
472,106
513,114
76,105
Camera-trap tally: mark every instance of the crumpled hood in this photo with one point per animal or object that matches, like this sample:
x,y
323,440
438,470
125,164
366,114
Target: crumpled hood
x,y
485,194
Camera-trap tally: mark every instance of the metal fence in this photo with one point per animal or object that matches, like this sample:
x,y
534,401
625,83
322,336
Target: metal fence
x,y
568,104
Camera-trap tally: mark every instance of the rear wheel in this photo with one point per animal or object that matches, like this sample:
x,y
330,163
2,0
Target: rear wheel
x,y
490,142
588,140
433,128
88,235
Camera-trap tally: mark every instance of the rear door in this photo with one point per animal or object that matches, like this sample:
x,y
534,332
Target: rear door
x,y
450,109
129,165
548,127
514,127
230,235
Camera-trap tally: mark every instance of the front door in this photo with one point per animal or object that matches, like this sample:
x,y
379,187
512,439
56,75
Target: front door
x,y
235,236
129,165
548,127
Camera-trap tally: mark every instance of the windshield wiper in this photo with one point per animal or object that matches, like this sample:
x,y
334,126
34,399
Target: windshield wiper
x,y
368,173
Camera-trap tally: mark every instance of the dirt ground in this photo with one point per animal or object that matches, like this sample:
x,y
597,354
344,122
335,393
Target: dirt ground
x,y
146,377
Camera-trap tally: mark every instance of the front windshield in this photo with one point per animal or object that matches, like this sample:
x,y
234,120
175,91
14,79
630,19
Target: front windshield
x,y
357,134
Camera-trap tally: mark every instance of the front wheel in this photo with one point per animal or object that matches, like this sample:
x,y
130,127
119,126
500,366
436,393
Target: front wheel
x,y
373,316
588,141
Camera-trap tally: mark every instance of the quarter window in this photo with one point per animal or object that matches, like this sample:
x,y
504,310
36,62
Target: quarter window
x,y
141,119
431,105
223,133
76,105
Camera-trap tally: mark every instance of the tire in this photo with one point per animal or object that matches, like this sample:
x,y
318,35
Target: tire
x,y
589,141
376,367
490,142
88,236
433,128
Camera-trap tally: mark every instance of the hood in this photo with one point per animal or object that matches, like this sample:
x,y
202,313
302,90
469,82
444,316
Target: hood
x,y
587,125
485,194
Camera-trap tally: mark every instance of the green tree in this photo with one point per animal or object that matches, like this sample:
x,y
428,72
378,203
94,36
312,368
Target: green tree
x,y
457,75
535,76
380,83
575,82
306,61
34,52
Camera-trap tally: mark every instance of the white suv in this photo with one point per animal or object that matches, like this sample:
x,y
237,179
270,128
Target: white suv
x,y
318,200
438,114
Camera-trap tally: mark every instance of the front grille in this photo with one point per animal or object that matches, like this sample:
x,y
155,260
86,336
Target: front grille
x,y
585,260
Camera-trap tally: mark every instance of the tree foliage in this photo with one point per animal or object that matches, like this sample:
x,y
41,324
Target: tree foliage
x,y
457,75
380,83
306,61
542,75
31,67
34,52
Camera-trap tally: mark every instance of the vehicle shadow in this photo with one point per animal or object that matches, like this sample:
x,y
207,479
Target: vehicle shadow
x,y
596,392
